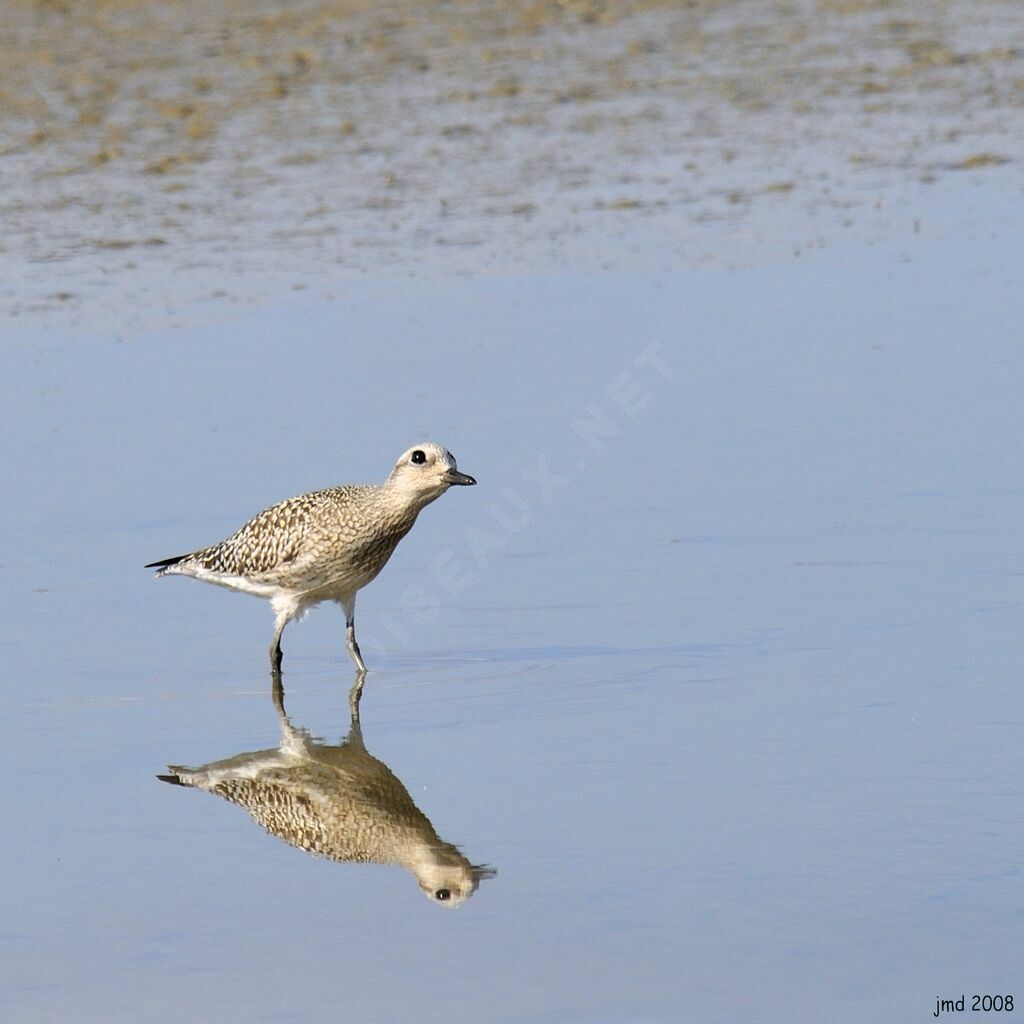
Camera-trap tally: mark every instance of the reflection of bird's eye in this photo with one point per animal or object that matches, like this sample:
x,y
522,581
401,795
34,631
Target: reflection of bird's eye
x,y
419,457
443,895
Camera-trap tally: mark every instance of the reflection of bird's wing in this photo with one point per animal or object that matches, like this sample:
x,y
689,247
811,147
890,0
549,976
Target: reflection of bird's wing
x,y
372,787
292,803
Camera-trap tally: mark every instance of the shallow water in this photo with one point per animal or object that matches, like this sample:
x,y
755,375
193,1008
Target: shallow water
x,y
719,665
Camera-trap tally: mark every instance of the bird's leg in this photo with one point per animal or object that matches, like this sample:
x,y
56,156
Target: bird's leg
x,y
275,655
349,607
353,648
275,645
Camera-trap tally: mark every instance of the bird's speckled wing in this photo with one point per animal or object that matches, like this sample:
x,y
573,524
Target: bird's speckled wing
x,y
270,540
281,538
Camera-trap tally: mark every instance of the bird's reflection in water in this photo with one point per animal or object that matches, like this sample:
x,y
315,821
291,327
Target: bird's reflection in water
x,y
337,802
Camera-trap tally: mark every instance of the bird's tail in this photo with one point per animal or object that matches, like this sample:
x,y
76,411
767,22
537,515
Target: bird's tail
x,y
164,564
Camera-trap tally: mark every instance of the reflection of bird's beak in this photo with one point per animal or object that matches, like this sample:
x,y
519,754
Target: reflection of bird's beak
x,y
453,476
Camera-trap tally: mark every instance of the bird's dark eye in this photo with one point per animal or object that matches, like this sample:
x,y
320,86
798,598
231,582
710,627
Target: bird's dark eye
x,y
419,457
443,895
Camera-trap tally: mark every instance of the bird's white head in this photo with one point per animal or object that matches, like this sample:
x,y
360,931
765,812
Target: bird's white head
x,y
445,876
426,471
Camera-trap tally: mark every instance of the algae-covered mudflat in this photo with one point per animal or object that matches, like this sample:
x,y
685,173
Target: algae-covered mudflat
x,y
156,154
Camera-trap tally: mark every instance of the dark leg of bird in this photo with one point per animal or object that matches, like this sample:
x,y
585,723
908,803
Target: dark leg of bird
x,y
275,647
353,647
348,606
275,654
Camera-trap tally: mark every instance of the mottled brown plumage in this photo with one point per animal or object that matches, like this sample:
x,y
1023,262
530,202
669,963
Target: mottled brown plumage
x,y
345,532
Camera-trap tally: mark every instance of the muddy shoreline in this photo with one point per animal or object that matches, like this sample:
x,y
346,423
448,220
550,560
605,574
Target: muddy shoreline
x,y
157,154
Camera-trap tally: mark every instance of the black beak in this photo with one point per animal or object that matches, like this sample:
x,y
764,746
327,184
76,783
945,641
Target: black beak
x,y
453,476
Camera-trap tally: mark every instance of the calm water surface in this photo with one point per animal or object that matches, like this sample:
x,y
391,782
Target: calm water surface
x,y
719,667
